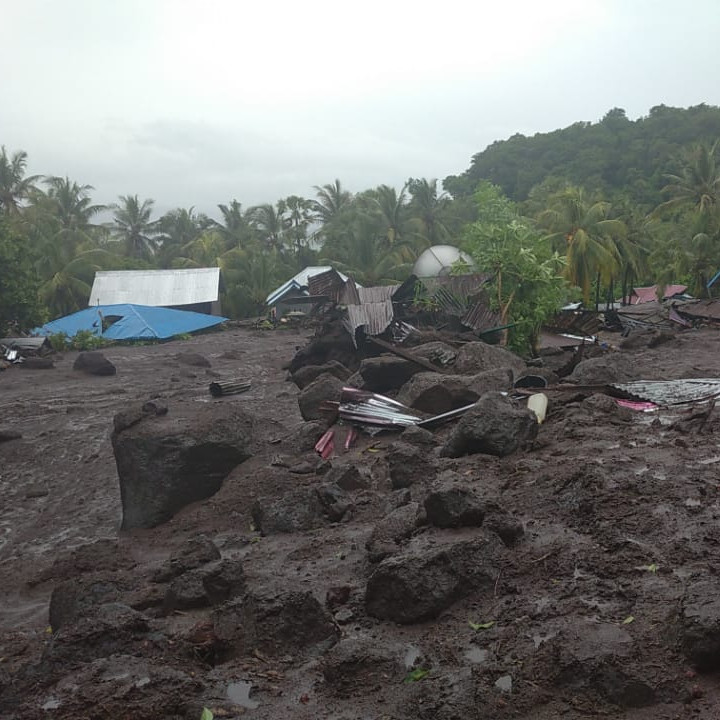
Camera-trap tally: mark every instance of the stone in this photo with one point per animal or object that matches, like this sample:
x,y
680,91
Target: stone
x,y
7,435
195,552
300,510
307,374
451,505
477,357
407,465
337,595
609,368
508,528
79,597
323,389
355,664
275,625
349,476
426,579
305,436
167,462
414,435
437,352
193,359
700,624
38,363
495,426
386,372
94,363
211,584
435,393
393,530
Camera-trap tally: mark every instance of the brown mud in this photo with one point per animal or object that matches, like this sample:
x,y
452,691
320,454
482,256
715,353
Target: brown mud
x,y
589,613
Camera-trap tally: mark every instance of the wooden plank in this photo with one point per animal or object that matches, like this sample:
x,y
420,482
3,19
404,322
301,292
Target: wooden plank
x,y
407,355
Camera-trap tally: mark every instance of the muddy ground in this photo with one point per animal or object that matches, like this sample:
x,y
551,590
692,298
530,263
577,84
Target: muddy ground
x,y
592,612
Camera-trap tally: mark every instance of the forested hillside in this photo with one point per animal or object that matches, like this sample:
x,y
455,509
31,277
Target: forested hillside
x,y
618,157
586,212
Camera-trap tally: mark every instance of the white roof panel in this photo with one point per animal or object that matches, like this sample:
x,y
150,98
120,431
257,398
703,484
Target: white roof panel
x,y
159,288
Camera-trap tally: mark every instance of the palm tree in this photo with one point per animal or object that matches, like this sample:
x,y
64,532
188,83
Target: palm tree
x,y
14,185
583,226
298,220
234,226
133,227
178,228
697,187
73,209
331,201
391,210
429,208
270,222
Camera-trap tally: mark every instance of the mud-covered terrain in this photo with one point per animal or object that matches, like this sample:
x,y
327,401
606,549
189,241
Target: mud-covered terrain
x,y
574,578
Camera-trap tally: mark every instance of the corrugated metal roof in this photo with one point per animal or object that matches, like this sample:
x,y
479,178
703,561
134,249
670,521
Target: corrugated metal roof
x,y
379,293
299,281
156,288
350,294
373,317
481,316
580,322
329,283
649,294
672,392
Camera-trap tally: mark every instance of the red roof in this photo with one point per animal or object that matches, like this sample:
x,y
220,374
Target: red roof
x,y
649,294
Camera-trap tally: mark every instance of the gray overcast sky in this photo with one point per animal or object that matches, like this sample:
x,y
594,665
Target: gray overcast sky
x,y
196,102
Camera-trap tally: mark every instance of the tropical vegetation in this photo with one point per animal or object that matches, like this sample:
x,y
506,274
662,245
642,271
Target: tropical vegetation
x,y
583,213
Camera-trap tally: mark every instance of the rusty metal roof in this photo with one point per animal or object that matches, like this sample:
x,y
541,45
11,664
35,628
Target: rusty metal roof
x,y
480,316
328,283
374,317
349,294
576,322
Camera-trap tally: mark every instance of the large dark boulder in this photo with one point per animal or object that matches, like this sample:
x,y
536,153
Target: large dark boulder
x,y
386,372
477,357
435,393
167,462
305,375
195,552
209,585
495,426
437,352
422,582
94,363
326,388
610,368
273,624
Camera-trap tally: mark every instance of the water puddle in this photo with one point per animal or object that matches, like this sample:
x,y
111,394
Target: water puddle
x,y
239,694
504,683
51,704
476,655
412,654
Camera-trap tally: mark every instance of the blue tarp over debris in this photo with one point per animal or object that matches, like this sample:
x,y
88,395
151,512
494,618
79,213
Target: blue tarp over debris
x,y
131,322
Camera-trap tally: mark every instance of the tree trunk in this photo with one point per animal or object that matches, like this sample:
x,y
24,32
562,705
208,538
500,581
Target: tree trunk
x,y
597,293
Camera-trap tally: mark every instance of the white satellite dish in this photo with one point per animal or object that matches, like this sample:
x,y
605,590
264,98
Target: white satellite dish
x,y
438,260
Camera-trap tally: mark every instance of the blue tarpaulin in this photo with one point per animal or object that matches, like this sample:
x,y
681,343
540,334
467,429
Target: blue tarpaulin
x,y
131,322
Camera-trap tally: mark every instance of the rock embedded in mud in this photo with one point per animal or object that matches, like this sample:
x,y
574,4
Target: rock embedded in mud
x,y
610,368
393,530
355,664
408,464
307,374
386,372
38,363
349,476
451,505
495,426
414,435
193,359
326,388
94,363
273,624
700,624
437,352
167,462
80,597
195,552
435,393
427,579
208,585
477,357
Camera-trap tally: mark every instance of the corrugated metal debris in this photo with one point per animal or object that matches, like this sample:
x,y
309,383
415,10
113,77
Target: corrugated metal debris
x,y
365,408
701,310
667,393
